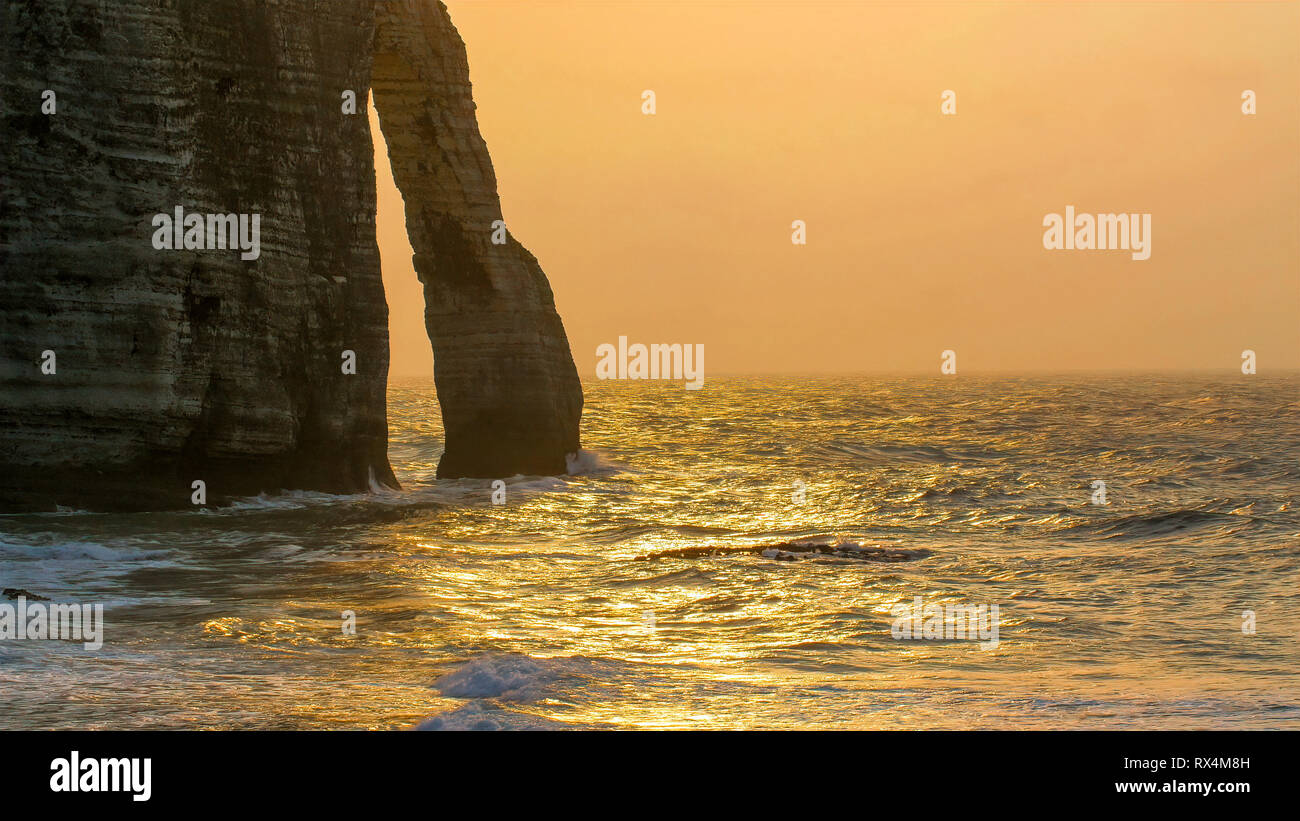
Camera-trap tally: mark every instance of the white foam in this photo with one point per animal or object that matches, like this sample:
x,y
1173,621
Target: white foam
x,y
61,570
288,500
510,676
518,677
377,489
476,716
78,551
590,462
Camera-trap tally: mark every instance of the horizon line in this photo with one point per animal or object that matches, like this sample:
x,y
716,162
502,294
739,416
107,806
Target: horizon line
x,y
1288,371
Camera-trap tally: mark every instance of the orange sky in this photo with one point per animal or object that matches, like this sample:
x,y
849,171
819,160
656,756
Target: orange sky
x,y
924,231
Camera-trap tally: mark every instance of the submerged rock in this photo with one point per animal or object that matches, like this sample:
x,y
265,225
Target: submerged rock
x,y
16,593
793,551
129,370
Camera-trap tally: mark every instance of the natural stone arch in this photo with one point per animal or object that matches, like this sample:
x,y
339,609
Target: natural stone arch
x,y
509,391
198,364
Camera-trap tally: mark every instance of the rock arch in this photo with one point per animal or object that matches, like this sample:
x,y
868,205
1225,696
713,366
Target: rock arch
x,y
176,365
509,391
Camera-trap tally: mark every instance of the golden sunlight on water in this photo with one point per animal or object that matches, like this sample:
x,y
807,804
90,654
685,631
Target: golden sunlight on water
x,y
668,581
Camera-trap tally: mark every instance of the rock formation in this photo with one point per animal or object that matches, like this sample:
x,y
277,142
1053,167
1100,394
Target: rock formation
x,y
170,366
506,380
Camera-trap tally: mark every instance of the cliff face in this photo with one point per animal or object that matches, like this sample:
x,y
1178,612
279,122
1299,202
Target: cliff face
x,y
197,363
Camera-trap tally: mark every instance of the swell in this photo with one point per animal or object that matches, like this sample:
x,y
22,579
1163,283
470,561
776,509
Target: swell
x,y
1146,525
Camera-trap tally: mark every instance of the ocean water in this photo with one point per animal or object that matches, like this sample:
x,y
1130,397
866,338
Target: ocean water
x,y
667,581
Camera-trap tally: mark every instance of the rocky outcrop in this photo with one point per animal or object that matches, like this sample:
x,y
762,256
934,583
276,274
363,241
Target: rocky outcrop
x,y
201,363
509,390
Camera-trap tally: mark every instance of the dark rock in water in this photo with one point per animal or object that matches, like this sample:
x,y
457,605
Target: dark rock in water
x,y
793,551
171,366
15,593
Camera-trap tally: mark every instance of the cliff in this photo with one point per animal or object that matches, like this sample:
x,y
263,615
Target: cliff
x,y
230,365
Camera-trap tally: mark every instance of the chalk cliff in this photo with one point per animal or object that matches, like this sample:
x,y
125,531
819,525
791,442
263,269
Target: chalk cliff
x,y
170,366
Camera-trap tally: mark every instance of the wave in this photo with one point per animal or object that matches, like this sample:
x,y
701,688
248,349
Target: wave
x,y
1144,525
479,716
296,500
591,463
931,493
79,551
419,495
64,570
59,510
900,453
517,677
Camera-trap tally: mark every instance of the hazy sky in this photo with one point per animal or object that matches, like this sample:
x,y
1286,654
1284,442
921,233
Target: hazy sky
x,y
924,231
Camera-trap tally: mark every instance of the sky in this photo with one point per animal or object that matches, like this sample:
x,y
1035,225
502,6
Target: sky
x,y
924,230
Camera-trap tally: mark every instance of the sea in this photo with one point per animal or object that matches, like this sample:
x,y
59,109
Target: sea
x,y
744,556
